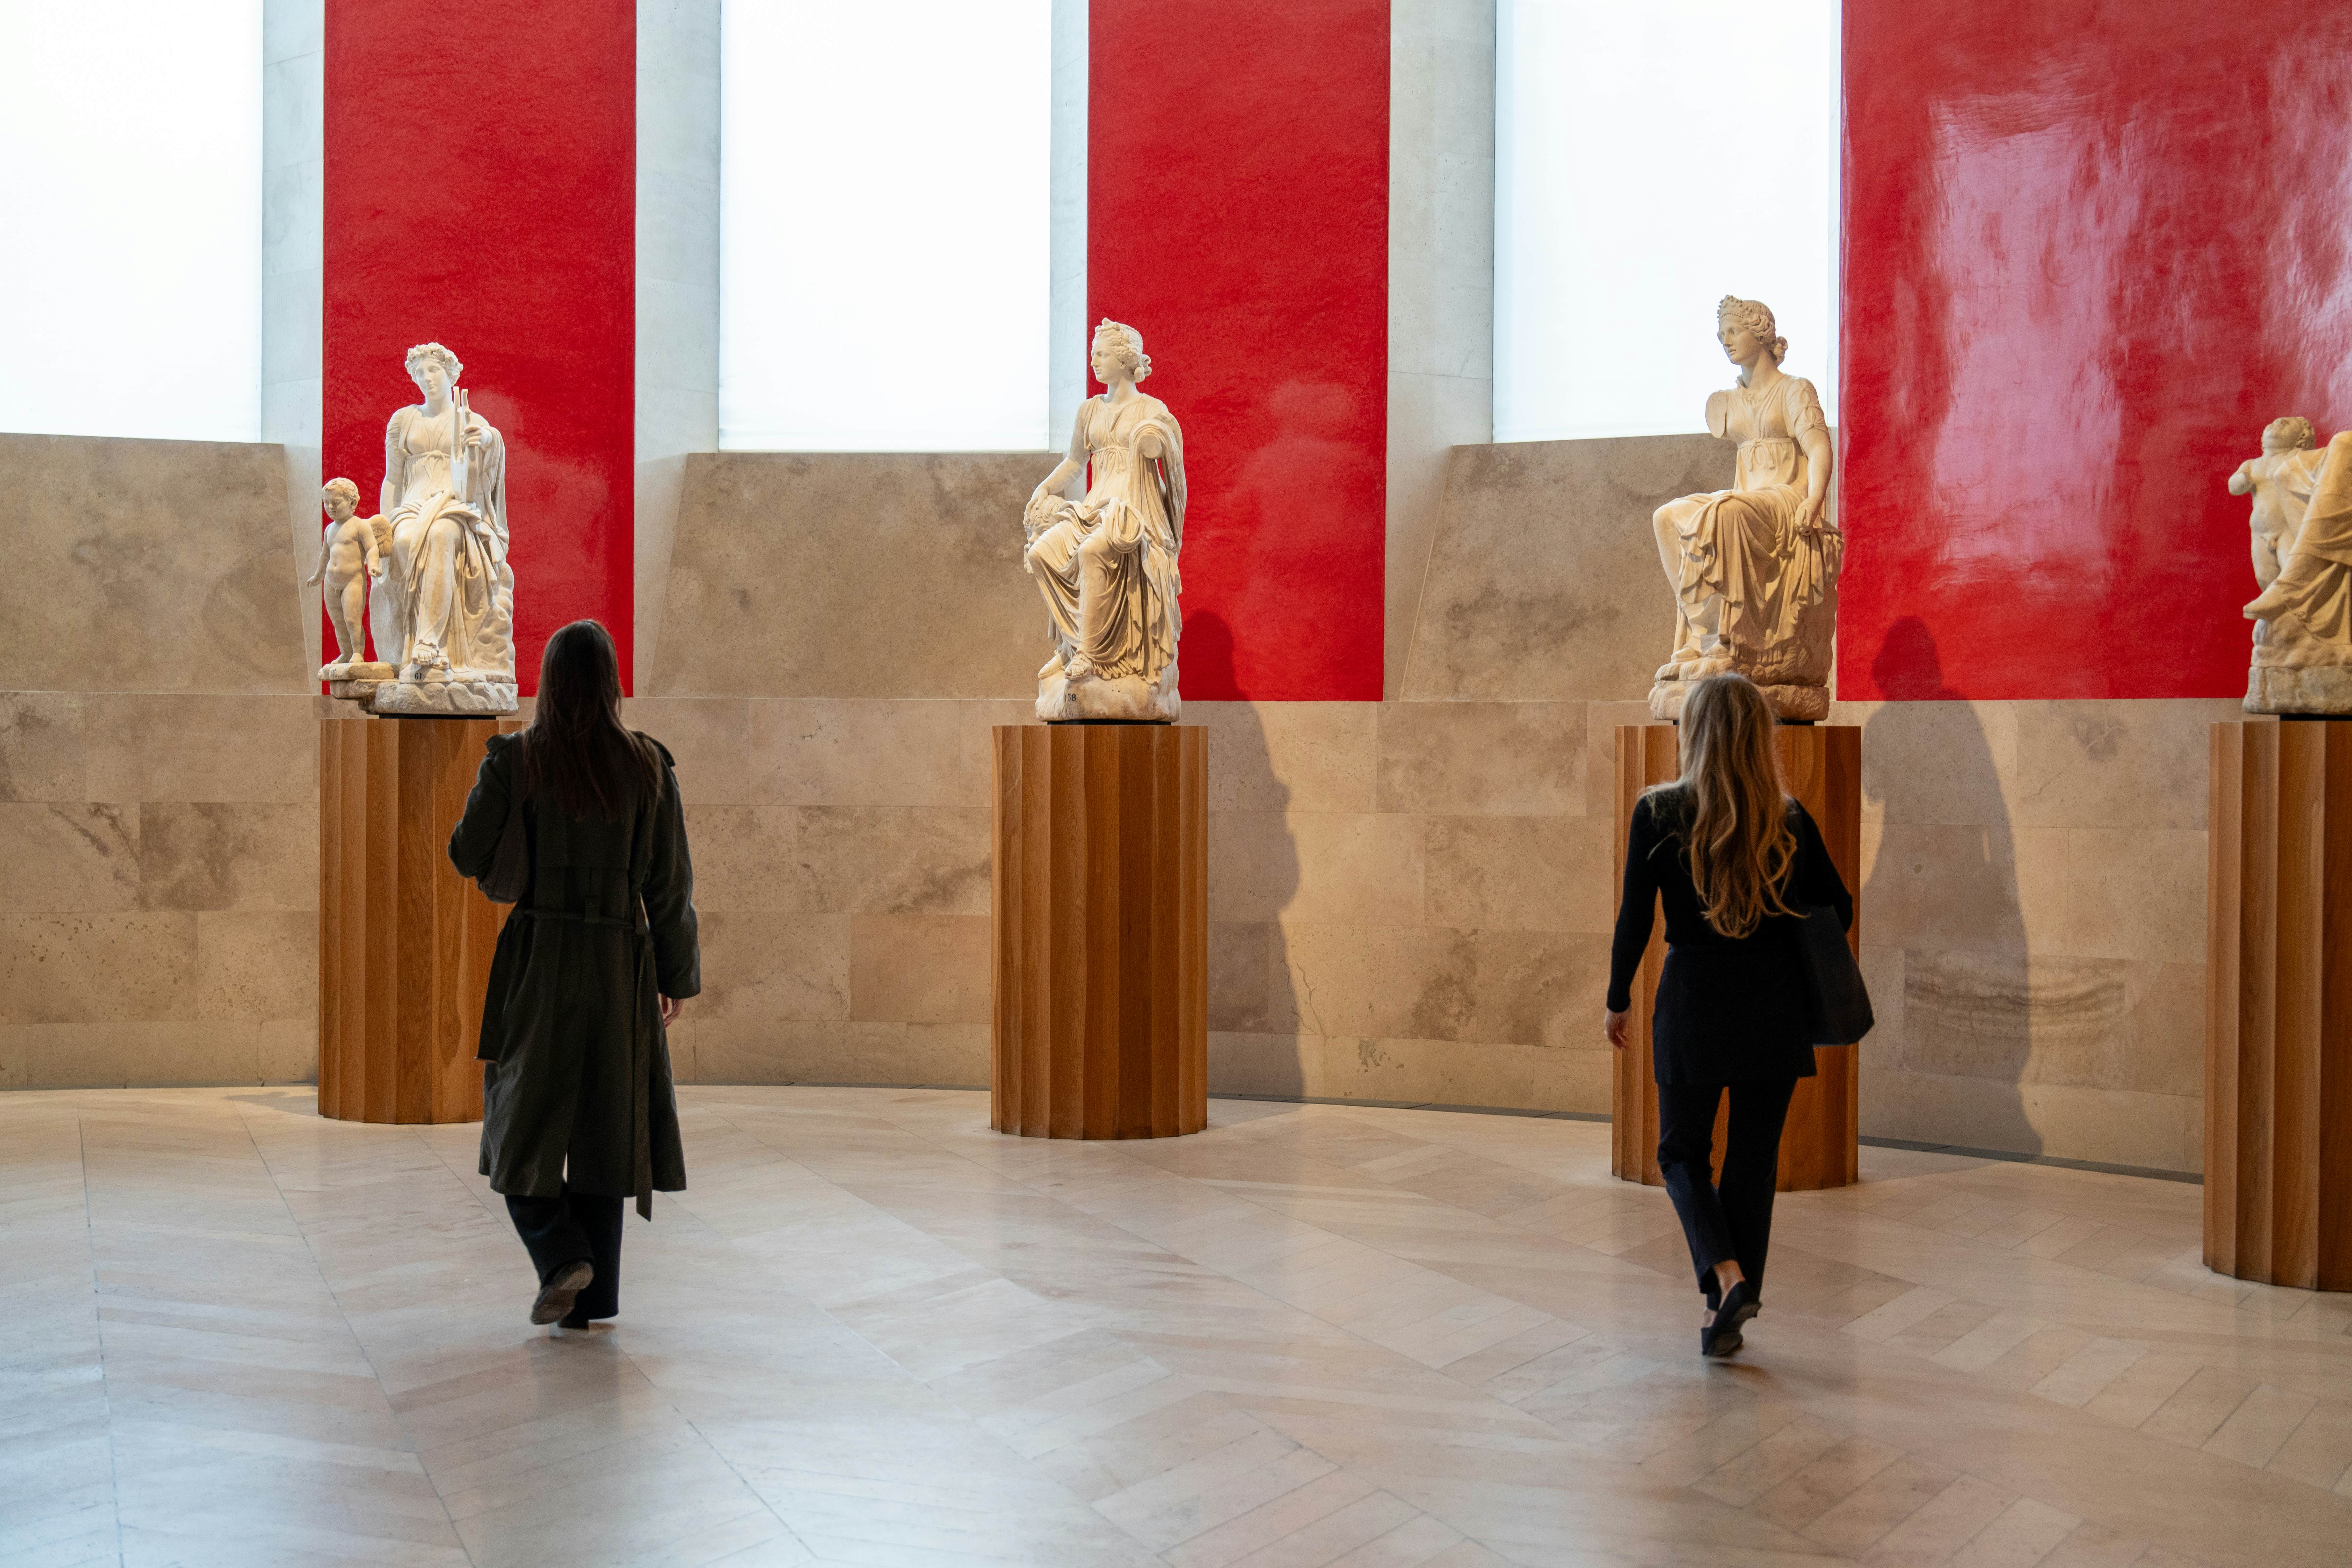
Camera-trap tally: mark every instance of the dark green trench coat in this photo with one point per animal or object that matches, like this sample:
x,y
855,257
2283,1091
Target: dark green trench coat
x,y
576,1088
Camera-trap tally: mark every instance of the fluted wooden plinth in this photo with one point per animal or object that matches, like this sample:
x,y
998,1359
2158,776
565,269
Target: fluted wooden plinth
x,y
1099,921
405,942
2278,1016
1821,765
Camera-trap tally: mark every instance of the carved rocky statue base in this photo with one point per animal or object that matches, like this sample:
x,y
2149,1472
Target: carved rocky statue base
x,y
2305,689
440,698
1798,702
1131,698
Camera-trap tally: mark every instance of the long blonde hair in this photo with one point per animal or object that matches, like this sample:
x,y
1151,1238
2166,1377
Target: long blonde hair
x,y
1733,815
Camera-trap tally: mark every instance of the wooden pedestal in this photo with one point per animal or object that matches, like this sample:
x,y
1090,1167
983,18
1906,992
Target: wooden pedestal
x,y
1821,765
1099,924
405,942
2278,1014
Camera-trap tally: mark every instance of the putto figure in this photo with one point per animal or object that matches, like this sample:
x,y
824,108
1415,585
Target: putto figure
x,y
448,593
351,557
1103,549
1755,567
2303,560
2280,480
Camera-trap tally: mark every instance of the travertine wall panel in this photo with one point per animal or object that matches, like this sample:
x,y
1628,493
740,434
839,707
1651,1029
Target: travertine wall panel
x,y
1544,582
147,566
797,575
1409,900
158,825
2034,924
845,893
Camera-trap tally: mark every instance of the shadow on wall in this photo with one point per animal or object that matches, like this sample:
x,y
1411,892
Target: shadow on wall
x,y
1249,962
1946,881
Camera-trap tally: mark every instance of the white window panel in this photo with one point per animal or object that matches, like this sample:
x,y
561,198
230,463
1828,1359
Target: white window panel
x,y
130,218
1650,159
884,224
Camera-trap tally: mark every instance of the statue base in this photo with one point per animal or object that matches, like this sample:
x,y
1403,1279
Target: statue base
x,y
1798,703
2325,689
2278,1020
405,942
358,669
430,699
1128,698
1099,930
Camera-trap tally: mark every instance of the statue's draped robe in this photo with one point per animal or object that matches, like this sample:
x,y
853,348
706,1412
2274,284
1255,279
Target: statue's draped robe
x,y
1109,566
1743,544
2310,606
451,591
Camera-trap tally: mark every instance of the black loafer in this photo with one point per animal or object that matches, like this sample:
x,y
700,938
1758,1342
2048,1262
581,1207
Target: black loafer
x,y
1722,1337
556,1296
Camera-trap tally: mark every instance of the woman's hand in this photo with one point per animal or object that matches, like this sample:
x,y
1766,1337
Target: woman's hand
x,y
670,1008
1809,514
1613,1026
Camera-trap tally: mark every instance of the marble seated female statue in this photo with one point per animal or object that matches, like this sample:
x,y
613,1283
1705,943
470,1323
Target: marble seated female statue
x,y
1104,529
446,625
1755,567
2303,636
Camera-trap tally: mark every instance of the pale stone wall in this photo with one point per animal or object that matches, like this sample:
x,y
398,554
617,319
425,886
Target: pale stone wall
x,y
2034,924
158,792
1410,898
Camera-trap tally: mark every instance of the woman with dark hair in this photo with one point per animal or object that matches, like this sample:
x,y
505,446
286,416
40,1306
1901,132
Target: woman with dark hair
x,y
594,960
1737,862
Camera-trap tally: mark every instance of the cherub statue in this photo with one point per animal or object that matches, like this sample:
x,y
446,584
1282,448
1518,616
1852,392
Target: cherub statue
x,y
2302,632
351,557
2280,480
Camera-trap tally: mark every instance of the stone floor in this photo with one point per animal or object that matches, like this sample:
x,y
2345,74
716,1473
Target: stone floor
x,y
875,1332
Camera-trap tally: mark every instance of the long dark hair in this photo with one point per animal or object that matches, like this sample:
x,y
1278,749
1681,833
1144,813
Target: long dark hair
x,y
577,755
1735,816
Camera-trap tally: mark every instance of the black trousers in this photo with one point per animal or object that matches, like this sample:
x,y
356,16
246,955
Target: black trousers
x,y
564,1230
1730,1219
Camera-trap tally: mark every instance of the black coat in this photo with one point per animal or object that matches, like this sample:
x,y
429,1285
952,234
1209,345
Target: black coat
x,y
1729,1010
576,1088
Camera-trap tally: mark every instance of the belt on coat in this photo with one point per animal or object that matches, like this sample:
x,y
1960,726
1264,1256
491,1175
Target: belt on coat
x,y
641,1145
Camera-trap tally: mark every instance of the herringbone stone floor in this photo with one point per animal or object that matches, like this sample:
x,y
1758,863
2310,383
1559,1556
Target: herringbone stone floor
x,y
875,1332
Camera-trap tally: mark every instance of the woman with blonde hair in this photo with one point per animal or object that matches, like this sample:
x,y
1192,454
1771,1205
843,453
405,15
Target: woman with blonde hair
x,y
1737,862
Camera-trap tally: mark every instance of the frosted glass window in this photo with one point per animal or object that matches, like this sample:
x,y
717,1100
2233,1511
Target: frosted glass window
x,y
884,224
1650,159
131,198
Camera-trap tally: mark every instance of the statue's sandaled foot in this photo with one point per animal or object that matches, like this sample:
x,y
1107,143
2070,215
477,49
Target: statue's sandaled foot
x,y
1675,668
1078,669
1053,667
1709,663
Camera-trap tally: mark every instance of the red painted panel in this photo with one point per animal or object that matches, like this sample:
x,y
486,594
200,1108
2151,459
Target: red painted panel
x,y
482,190
1237,217
2092,247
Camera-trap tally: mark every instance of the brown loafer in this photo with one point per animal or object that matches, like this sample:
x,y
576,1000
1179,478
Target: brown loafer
x,y
555,1297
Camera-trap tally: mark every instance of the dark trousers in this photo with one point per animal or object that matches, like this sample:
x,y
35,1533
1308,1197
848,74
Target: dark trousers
x,y
564,1230
1730,1219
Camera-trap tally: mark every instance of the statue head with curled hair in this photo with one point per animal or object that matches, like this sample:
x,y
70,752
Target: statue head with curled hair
x,y
423,354
1119,348
1736,315
2291,433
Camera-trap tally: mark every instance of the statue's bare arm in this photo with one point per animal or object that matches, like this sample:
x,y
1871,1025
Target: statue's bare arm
x,y
394,461
1819,458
